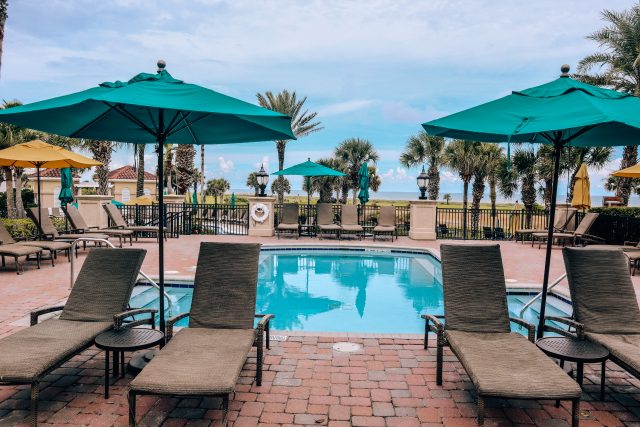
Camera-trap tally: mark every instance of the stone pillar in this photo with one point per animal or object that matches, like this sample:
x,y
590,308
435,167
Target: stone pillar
x,y
92,211
563,210
266,228
423,220
174,198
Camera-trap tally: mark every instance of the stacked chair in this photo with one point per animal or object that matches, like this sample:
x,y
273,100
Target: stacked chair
x,y
79,225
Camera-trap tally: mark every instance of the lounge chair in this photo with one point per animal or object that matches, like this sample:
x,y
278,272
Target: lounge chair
x,y
98,300
387,223
206,358
119,222
289,221
48,231
326,220
8,248
560,225
349,221
52,247
580,235
605,307
500,363
80,226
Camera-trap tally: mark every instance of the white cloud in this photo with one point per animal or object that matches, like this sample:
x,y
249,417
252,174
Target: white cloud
x,y
225,165
398,175
264,162
344,107
598,177
448,176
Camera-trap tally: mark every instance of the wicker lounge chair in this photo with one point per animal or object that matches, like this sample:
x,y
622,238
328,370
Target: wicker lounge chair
x,y
206,358
605,308
574,237
387,223
80,225
119,222
326,221
45,245
289,221
98,299
500,363
8,248
349,221
49,232
560,225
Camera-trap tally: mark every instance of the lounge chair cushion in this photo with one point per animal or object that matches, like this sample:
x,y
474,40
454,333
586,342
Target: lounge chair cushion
x,y
27,354
47,244
625,348
74,236
329,227
197,361
144,228
18,250
117,232
384,229
509,365
351,227
283,226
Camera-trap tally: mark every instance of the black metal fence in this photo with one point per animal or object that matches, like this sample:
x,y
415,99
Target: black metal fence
x,y
615,229
186,218
486,224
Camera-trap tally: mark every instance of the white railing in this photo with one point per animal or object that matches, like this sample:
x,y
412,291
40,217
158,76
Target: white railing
x,y
535,298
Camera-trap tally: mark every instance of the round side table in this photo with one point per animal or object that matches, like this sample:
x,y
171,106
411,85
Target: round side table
x,y
578,351
121,340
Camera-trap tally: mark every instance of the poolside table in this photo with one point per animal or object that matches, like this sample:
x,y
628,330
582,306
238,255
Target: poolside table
x,y
120,340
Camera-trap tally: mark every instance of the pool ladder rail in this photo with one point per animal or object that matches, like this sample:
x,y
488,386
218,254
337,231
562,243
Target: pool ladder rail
x,y
538,296
108,243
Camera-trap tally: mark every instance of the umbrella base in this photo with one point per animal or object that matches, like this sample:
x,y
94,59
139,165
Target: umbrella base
x,y
140,359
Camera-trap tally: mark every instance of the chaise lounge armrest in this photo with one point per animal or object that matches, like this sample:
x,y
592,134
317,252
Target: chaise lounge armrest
x,y
118,319
263,326
630,243
531,330
172,321
579,327
433,324
35,315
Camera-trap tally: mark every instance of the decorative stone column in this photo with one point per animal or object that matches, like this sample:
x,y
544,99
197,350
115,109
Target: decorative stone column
x,y
423,220
564,210
92,211
265,228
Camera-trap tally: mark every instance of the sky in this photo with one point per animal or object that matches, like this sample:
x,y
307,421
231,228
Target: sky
x,y
371,69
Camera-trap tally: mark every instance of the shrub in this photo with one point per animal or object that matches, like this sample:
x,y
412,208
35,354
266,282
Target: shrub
x,y
21,229
618,211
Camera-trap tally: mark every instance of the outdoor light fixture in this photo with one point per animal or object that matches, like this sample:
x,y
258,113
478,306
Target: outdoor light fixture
x,y
423,181
263,178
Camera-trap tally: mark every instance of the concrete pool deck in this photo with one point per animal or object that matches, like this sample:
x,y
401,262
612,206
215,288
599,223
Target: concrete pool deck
x,y
390,382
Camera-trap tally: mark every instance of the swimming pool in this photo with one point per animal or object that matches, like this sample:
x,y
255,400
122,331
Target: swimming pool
x,y
340,290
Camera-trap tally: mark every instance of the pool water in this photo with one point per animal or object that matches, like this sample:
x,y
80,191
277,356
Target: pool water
x,y
343,291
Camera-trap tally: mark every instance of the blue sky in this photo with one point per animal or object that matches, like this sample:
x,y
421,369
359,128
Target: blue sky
x,y
372,69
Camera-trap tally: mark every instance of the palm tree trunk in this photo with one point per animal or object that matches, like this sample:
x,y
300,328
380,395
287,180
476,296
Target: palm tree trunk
x,y
11,205
434,182
493,194
101,151
4,5
477,192
465,190
202,171
629,158
20,213
280,147
140,171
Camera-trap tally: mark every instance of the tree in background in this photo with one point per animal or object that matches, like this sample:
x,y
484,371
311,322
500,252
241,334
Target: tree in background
x,y
169,175
374,179
354,152
447,197
617,65
302,122
101,151
4,14
139,150
487,163
184,167
326,185
522,173
217,187
252,182
425,149
461,156
281,186
202,189
594,157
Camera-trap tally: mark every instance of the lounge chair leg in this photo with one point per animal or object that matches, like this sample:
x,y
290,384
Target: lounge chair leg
x,y
575,413
439,362
225,409
39,258
426,334
35,389
132,409
17,265
481,409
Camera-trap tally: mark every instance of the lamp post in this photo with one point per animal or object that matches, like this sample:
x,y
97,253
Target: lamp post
x,y
263,178
422,180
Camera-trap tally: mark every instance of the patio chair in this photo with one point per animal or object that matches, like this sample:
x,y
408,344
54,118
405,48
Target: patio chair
x,y
206,358
52,247
443,231
326,221
500,363
80,226
560,225
97,302
49,232
288,221
349,221
580,235
605,307
119,222
8,248
387,223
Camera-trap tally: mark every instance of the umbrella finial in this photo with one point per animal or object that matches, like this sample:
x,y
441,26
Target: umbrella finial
x,y
565,70
161,65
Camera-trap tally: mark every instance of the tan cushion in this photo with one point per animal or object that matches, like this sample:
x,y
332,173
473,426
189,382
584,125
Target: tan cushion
x,y
351,227
197,361
28,353
49,245
329,227
18,250
623,347
509,365
284,226
117,232
384,229
82,235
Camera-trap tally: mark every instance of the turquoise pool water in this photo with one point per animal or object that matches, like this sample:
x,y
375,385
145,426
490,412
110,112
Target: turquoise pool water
x,y
342,291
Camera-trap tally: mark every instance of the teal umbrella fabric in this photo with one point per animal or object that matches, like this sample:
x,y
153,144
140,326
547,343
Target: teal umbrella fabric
x,y
66,182
563,112
363,183
309,169
233,200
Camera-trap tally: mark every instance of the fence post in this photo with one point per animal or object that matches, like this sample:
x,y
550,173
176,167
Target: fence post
x,y
266,227
423,220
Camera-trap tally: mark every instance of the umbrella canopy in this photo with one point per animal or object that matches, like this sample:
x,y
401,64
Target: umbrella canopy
x,y
233,200
581,189
363,183
153,109
117,203
309,169
630,172
66,182
141,201
563,112
194,197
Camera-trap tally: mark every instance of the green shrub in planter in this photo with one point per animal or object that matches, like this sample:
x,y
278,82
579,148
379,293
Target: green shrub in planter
x,y
22,229
618,211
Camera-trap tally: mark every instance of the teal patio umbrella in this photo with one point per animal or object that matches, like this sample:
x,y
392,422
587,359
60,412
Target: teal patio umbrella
x,y
232,202
66,182
309,169
363,183
153,109
563,112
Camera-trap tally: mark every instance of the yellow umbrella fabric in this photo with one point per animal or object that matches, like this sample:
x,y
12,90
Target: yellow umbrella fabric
x,y
581,189
39,154
631,172
141,201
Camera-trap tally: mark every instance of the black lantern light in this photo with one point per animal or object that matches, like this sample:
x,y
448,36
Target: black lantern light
x,y
423,181
263,178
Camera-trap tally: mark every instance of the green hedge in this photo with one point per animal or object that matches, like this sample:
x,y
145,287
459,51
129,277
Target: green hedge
x,y
21,229
618,211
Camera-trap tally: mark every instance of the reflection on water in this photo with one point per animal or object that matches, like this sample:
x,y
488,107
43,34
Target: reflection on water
x,y
354,292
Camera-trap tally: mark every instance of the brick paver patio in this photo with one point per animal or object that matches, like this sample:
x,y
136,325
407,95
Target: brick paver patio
x,y
390,382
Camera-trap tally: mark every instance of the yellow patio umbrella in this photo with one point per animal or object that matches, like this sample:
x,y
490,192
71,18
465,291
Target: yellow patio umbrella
x,y
141,201
38,154
630,172
581,189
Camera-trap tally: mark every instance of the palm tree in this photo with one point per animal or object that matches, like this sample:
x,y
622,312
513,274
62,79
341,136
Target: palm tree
x,y
594,157
184,167
168,167
374,179
461,157
281,186
423,148
447,197
488,159
101,151
302,122
617,65
354,152
326,185
4,6
521,174
139,149
217,187
252,182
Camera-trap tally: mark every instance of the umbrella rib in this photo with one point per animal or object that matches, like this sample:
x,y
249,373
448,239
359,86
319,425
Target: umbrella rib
x,y
134,119
92,122
195,139
187,124
173,122
151,117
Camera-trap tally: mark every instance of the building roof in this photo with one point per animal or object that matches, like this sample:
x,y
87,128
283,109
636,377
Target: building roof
x,y
50,173
128,172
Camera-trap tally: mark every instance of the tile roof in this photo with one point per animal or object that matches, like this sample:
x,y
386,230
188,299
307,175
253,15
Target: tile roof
x,y
50,173
128,172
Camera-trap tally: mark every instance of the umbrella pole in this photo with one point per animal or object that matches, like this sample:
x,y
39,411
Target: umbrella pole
x,y
39,202
552,214
161,140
